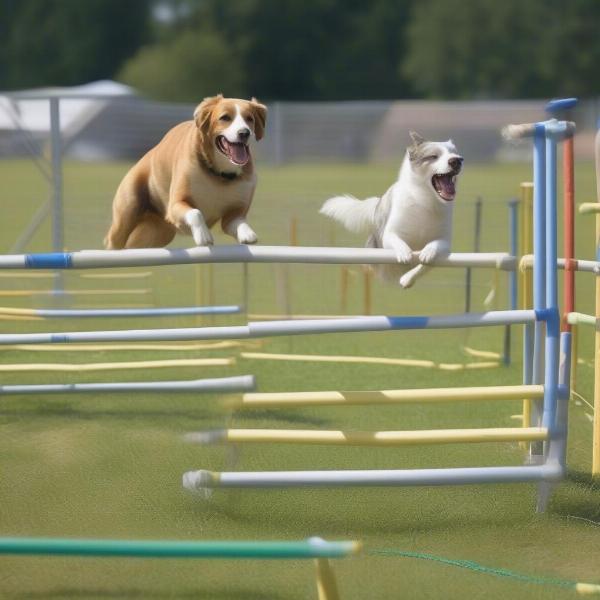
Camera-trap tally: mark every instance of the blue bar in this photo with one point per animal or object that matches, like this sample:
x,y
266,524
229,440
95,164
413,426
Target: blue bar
x,y
559,104
49,260
408,322
539,217
553,321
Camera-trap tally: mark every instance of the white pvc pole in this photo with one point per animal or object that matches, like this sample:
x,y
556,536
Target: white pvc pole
x,y
242,383
273,328
93,259
202,481
136,335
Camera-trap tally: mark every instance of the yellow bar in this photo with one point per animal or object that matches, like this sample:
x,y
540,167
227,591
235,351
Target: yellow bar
x,y
526,284
588,208
334,398
25,275
385,438
326,584
587,589
144,364
481,353
401,362
19,293
138,275
596,417
293,231
367,275
574,357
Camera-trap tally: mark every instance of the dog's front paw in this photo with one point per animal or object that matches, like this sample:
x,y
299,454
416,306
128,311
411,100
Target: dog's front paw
x,y
432,251
200,232
245,234
403,255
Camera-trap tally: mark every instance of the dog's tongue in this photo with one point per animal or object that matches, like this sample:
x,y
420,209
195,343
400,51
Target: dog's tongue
x,y
237,153
444,186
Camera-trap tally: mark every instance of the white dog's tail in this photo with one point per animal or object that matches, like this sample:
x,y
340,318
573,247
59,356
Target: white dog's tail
x,y
355,215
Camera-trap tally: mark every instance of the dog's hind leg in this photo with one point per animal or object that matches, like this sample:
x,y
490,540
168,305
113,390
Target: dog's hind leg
x,y
130,203
409,278
151,231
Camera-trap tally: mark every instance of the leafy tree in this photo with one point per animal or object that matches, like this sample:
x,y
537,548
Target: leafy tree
x,y
513,48
186,69
65,42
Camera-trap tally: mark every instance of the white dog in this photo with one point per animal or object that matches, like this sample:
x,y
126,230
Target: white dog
x,y
415,214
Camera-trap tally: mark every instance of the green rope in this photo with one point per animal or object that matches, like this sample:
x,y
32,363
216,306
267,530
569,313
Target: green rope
x,y
473,566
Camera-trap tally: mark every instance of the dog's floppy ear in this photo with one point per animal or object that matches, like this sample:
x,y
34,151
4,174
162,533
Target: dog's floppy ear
x,y
260,118
203,112
417,139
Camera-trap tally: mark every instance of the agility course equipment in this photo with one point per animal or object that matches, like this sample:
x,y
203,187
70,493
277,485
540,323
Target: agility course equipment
x,y
551,417
208,386
78,313
571,319
314,548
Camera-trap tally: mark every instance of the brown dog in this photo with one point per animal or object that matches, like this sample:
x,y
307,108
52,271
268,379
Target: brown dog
x,y
200,172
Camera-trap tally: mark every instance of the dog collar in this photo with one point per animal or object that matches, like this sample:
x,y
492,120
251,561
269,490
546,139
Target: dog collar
x,y
224,174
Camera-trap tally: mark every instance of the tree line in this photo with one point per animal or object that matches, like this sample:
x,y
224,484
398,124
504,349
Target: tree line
x,y
183,50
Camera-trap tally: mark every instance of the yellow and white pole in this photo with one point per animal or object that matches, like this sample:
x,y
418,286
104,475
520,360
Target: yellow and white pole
x,y
526,287
596,423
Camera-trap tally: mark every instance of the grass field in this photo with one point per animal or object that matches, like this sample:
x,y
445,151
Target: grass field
x,y
102,466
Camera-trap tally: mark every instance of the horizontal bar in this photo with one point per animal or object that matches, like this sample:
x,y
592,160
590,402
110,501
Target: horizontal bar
x,y
242,383
203,481
370,438
557,130
121,312
373,360
576,318
118,366
586,208
433,395
135,335
273,328
311,548
160,346
94,259
586,266
74,292
382,323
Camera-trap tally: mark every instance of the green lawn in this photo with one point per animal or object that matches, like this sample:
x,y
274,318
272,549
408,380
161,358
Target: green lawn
x,y
102,466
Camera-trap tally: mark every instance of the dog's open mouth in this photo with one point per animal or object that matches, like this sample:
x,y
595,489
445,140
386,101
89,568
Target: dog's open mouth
x,y
445,185
236,152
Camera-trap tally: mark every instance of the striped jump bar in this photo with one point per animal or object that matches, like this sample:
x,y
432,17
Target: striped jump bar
x,y
94,259
369,438
288,327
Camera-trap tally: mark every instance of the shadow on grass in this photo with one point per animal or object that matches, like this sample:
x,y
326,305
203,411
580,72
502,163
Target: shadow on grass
x,y
585,479
580,498
67,412
52,412
238,594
